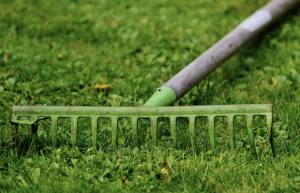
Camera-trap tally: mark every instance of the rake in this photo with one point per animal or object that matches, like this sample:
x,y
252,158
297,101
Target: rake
x,y
31,114
159,104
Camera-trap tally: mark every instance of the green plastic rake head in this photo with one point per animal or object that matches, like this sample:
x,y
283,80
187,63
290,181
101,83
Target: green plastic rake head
x,y
31,115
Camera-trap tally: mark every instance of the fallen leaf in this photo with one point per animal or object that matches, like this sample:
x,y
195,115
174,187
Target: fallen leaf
x,y
29,160
121,140
6,57
152,174
165,171
55,165
124,179
102,86
99,86
297,179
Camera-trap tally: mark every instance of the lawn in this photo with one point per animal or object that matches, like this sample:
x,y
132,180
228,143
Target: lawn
x,y
53,53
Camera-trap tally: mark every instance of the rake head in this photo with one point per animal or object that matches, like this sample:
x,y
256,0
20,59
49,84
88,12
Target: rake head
x,y
32,114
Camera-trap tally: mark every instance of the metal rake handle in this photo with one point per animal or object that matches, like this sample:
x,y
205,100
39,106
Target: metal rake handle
x,y
206,63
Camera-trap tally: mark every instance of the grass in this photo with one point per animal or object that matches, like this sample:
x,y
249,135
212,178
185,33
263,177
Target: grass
x,y
50,51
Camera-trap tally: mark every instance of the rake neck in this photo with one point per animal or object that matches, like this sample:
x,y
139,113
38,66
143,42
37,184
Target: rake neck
x,y
164,96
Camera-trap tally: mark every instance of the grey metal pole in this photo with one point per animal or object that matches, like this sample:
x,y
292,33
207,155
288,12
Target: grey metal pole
x,y
206,63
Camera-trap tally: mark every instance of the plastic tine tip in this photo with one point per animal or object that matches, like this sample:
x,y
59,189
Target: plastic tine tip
x,y
212,132
173,130
192,129
153,130
134,131
34,128
14,130
74,121
251,133
94,131
54,130
270,135
231,131
114,123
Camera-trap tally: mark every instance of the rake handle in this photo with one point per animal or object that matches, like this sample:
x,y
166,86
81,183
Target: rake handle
x,y
206,63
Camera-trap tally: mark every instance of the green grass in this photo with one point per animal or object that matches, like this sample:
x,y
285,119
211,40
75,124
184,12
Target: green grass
x,y
49,51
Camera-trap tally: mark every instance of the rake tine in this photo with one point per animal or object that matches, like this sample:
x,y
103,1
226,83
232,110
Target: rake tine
x,y
153,130
173,130
134,131
231,132
54,130
251,134
269,125
94,131
34,128
14,132
74,129
192,130
114,123
212,132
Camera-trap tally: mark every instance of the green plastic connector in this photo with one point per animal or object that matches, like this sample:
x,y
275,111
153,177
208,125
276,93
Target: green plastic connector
x,y
164,96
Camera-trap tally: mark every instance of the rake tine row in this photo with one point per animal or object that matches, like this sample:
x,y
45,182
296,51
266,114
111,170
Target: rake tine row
x,y
31,115
114,121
